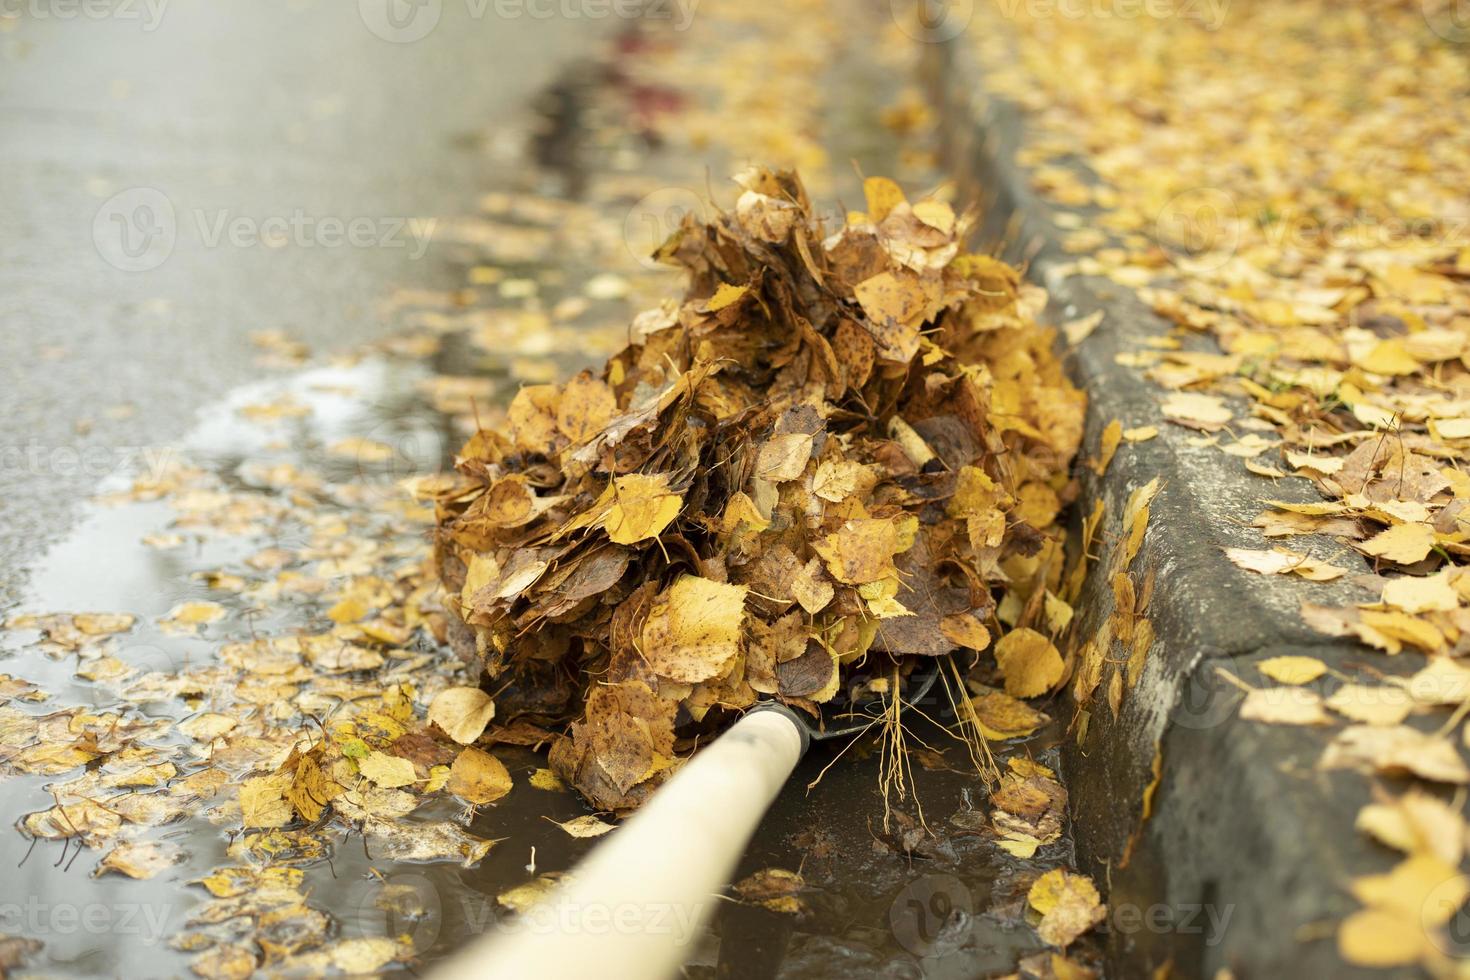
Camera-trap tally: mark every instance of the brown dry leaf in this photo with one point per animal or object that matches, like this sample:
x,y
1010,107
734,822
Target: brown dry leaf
x,y
862,551
811,587
191,617
1028,808
1029,662
1000,716
522,898
462,712
585,408
775,889
838,479
87,820
784,457
895,304
1135,519
1078,330
363,956
394,840
227,961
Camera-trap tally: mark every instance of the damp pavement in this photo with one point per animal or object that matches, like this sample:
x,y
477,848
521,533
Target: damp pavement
x,y
180,174
128,323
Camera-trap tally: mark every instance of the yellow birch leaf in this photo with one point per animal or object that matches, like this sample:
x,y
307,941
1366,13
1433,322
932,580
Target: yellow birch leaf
x,y
478,777
387,771
1029,662
462,712
642,506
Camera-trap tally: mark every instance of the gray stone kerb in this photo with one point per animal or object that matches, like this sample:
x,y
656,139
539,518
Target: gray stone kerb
x,y
1244,861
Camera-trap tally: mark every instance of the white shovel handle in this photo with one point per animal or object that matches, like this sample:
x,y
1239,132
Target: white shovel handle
x,y
633,908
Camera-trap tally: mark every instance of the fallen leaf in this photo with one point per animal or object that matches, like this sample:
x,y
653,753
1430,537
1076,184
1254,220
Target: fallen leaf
x,y
462,712
478,777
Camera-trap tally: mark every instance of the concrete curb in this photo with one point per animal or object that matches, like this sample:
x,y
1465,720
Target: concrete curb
x,y
1243,824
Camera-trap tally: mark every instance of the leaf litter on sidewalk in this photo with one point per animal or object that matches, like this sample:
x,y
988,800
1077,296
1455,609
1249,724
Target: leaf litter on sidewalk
x,y
1265,180
802,484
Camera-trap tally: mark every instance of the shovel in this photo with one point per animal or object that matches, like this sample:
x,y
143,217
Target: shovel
x,y
634,907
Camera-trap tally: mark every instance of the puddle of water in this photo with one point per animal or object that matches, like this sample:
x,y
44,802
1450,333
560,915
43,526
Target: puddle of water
x,y
952,913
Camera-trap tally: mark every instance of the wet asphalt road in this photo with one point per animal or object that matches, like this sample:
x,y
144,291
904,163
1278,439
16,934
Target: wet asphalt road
x,y
178,174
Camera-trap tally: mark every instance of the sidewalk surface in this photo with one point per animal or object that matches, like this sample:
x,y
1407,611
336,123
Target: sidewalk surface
x,y
180,176
1254,218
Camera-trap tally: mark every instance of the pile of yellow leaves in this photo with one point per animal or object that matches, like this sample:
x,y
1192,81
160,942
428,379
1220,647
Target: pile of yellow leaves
x,y
1290,182
813,474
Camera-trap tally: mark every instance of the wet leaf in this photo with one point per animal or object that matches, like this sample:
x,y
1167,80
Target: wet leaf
x,y
1029,662
1069,905
140,859
387,771
584,826
478,777
462,712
